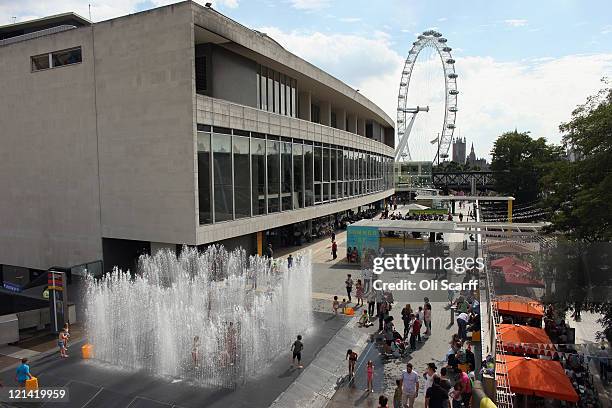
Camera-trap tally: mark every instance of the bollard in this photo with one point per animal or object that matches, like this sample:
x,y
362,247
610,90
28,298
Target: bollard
x,y
452,313
87,350
31,384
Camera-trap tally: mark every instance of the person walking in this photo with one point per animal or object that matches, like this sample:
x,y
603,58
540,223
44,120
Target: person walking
x,y
427,318
415,331
420,318
371,303
297,348
22,374
406,313
289,261
359,292
333,236
349,286
367,279
466,387
603,357
436,396
370,373
383,401
352,359
429,375
269,251
397,396
410,386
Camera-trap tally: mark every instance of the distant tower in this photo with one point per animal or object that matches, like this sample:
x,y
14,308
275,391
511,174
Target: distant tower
x,y
459,151
471,160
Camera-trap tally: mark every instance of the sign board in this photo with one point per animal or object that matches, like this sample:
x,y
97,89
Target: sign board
x,y
58,299
13,287
367,241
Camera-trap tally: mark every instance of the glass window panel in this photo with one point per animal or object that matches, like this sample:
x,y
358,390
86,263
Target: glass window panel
x,y
258,90
308,175
332,186
263,86
242,185
258,174
222,175
318,163
67,57
298,176
40,62
273,158
286,177
326,162
276,92
270,90
326,191
293,98
318,196
282,110
204,190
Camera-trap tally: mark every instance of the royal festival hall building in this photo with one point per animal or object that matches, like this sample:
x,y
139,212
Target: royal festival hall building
x,y
168,127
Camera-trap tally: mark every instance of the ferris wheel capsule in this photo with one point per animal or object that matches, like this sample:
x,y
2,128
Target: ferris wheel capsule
x,y
420,37
437,34
442,40
452,75
450,61
453,109
453,92
447,49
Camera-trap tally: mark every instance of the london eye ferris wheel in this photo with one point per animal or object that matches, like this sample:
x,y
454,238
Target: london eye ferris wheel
x,y
428,89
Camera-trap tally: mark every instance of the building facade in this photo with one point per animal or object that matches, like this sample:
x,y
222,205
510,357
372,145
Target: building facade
x,y
167,127
459,150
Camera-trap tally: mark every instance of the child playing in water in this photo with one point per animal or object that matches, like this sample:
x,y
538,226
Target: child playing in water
x,y
364,320
297,348
370,371
195,350
335,305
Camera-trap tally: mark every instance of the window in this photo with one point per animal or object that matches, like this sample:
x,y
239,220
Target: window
x,y
315,113
277,106
242,186
57,59
204,191
326,161
276,92
273,160
222,176
333,120
286,177
298,176
282,110
40,62
263,85
66,57
258,174
308,175
200,74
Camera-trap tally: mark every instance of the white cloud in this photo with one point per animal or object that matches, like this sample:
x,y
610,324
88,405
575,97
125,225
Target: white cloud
x,y
607,29
516,22
310,5
350,19
495,96
442,19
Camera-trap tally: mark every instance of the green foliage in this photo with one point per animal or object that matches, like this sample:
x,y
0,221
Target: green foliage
x,y
580,191
519,163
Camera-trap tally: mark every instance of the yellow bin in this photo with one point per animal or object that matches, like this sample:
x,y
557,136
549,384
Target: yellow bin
x,y
31,384
87,350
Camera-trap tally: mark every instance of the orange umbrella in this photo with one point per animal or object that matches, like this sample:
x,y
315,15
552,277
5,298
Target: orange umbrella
x,y
514,334
543,378
519,306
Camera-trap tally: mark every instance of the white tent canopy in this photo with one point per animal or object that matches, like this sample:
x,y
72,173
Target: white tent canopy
x,y
414,206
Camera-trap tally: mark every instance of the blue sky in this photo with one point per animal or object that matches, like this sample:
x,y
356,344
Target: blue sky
x,y
521,64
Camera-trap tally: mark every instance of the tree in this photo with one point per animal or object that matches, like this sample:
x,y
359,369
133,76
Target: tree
x,y
580,189
519,162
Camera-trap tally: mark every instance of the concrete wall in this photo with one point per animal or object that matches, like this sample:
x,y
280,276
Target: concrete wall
x,y
145,90
49,202
234,77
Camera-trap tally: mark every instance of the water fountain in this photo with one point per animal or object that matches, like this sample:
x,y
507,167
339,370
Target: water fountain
x,y
245,311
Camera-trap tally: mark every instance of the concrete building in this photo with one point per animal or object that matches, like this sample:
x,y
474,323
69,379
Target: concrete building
x,y
459,150
171,126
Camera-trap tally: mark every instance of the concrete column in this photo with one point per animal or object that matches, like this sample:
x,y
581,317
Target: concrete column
x,y
304,102
325,113
352,123
361,126
341,119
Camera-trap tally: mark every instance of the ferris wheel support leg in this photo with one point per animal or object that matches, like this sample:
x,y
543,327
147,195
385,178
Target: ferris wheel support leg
x,y
404,141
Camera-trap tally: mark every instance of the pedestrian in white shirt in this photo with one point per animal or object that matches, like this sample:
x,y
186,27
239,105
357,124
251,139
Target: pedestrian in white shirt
x,y
410,386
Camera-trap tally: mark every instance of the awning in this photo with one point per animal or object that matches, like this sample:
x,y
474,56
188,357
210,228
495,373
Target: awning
x,y
511,261
519,306
524,339
521,274
542,378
